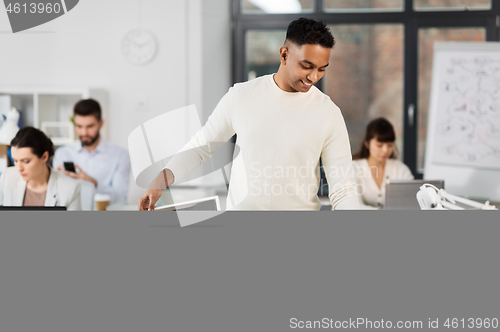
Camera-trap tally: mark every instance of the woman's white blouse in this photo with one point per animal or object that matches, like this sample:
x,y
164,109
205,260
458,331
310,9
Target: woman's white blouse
x,y
371,196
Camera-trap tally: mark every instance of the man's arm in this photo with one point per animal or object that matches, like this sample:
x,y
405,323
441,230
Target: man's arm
x,y
62,155
337,163
218,129
360,188
79,175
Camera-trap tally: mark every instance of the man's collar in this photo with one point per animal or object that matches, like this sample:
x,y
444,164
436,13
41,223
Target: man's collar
x,y
78,146
101,146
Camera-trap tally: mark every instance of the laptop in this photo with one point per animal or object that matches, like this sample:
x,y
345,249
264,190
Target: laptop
x,y
402,194
33,208
203,204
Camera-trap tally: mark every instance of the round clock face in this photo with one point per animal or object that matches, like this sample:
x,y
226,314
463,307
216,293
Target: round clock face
x,y
139,46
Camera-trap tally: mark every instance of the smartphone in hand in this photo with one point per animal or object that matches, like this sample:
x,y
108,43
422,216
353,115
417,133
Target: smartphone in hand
x,y
69,166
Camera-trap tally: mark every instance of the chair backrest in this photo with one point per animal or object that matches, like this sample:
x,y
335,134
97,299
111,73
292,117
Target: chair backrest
x,y
87,195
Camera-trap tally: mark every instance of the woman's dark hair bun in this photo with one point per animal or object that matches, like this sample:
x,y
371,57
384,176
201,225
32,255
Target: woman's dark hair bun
x,y
30,137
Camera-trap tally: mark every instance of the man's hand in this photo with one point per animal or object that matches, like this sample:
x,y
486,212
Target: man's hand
x,y
79,175
152,195
148,200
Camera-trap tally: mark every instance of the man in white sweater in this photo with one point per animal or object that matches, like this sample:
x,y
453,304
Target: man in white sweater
x,y
284,124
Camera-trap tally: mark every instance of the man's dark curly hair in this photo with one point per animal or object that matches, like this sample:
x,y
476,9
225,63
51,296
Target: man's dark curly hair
x,y
307,31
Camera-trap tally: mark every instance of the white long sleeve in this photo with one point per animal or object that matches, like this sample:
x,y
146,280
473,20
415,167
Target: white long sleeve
x,y
281,136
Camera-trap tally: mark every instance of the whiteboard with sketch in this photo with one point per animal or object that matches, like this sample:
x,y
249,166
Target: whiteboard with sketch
x,y
463,141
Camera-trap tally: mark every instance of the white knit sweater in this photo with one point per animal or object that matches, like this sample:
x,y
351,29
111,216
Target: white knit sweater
x,y
281,136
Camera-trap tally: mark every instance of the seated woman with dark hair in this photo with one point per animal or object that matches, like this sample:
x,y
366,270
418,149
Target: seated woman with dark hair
x,y
31,182
375,163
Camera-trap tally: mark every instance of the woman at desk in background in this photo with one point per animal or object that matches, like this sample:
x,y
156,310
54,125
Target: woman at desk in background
x,y
376,162
31,182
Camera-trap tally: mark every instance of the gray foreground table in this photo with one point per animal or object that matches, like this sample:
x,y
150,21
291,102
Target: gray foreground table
x,y
244,271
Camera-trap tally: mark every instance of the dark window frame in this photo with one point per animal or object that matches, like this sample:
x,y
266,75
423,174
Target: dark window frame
x,y
411,20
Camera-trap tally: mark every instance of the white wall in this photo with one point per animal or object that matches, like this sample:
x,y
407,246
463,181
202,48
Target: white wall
x,y
217,52
82,48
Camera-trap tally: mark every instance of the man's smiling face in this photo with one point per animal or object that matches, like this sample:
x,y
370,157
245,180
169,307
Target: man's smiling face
x,y
304,65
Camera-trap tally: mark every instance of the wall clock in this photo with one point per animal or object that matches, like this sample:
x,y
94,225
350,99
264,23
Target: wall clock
x,y
139,46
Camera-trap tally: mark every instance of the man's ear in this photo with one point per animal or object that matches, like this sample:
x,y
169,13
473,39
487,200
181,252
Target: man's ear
x,y
101,123
283,55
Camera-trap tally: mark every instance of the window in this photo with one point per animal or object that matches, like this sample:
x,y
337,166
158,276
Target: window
x,y
262,52
452,5
338,6
382,62
372,89
276,6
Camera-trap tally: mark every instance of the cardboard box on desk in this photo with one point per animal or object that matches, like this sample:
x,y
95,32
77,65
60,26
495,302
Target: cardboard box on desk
x,y
3,149
3,157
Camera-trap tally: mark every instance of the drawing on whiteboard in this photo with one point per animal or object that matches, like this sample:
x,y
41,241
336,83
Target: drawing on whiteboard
x,y
468,124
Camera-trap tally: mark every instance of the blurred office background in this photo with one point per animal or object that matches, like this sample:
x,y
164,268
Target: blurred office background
x,y
381,64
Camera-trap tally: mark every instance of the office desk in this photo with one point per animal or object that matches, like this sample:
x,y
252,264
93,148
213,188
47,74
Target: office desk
x,y
243,271
182,194
190,193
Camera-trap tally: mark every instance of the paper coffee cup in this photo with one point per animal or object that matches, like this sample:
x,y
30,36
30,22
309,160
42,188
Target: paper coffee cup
x,y
101,201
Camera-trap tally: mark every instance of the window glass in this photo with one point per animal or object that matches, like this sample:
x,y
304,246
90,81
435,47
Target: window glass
x,y
262,52
426,39
452,4
365,77
276,6
363,5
